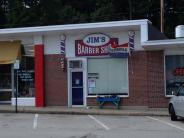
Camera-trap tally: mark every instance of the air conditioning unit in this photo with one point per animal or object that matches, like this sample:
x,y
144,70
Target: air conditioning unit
x,y
75,64
179,31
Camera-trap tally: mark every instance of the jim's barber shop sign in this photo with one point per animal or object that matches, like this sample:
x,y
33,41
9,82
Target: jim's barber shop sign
x,y
99,44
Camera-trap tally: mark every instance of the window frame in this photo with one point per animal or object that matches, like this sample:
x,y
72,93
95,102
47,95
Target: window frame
x,y
170,52
26,66
96,95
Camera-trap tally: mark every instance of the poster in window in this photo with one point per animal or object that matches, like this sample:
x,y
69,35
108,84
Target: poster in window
x,y
91,83
90,90
26,83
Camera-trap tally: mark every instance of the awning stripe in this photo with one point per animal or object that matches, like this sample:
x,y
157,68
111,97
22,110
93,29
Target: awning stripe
x,y
9,51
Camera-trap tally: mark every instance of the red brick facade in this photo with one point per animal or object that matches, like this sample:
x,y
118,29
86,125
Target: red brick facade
x,y
155,77
55,82
146,81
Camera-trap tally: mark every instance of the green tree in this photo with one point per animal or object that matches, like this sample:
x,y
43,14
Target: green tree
x,y
3,19
174,15
50,12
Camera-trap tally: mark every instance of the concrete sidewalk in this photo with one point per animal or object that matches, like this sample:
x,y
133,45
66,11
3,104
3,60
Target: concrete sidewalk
x,y
85,111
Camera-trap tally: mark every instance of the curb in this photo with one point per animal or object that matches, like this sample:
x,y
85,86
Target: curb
x,y
90,112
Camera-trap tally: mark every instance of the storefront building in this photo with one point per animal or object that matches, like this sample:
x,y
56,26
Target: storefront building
x,y
70,65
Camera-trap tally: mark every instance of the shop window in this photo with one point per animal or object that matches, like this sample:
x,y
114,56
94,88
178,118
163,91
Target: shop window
x,y
108,76
174,66
26,77
5,82
23,77
5,76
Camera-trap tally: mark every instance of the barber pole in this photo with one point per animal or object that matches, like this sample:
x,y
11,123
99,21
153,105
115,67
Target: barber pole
x,y
131,35
62,51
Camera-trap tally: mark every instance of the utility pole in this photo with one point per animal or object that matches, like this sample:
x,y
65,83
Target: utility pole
x,y
162,16
130,9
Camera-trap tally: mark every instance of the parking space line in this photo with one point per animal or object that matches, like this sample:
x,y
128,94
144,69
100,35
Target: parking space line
x,y
166,123
99,122
35,121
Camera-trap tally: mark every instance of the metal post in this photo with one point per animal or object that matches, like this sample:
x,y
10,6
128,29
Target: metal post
x,y
16,94
162,16
130,9
16,67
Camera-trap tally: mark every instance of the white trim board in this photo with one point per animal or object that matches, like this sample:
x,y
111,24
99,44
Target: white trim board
x,y
163,44
70,27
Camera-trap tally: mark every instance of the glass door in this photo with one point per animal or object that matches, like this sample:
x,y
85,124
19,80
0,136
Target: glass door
x,y
77,88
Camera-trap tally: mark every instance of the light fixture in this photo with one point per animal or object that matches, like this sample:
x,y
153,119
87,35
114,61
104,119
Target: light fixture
x,y
63,37
131,33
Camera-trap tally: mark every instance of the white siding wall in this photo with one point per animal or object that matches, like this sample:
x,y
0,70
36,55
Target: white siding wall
x,y
26,40
52,42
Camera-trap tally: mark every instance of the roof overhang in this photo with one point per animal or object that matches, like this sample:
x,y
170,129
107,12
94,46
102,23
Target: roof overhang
x,y
72,28
163,44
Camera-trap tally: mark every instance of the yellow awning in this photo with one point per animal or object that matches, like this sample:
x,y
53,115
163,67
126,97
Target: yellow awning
x,y
9,51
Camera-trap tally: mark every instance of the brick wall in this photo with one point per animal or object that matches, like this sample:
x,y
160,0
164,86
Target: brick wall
x,y
155,78
55,82
137,66
146,80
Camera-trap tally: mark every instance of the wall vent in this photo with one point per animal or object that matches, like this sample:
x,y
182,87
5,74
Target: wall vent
x,y
75,64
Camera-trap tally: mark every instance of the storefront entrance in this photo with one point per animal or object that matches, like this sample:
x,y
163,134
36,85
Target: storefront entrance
x,y
77,82
10,51
77,88
17,78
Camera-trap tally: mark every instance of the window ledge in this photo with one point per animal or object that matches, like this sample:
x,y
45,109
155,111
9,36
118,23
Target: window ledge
x,y
94,96
168,96
5,90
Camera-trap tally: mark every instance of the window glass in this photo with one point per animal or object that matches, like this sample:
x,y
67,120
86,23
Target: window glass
x,y
5,76
108,76
181,92
5,82
26,77
174,72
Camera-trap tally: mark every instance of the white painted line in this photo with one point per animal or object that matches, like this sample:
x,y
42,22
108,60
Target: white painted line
x,y
35,121
99,122
167,123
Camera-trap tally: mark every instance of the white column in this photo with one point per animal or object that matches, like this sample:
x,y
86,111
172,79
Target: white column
x,y
38,39
144,32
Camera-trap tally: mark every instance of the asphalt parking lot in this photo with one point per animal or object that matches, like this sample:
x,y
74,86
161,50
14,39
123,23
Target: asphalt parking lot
x,y
88,126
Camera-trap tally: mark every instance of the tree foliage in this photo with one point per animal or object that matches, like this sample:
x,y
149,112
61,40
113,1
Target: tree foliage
x,y
21,13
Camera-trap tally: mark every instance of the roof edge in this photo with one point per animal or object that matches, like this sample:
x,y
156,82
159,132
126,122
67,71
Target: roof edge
x,y
163,42
73,26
